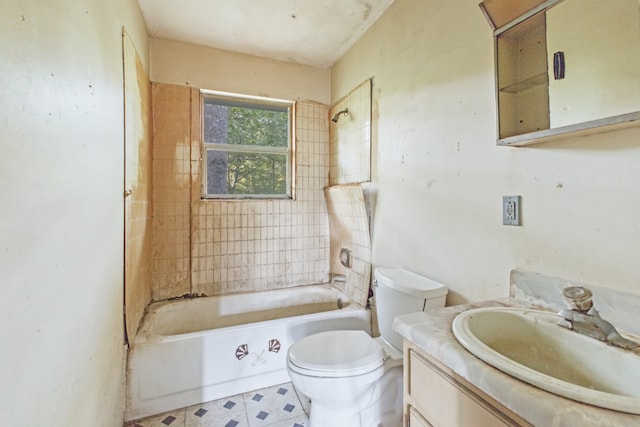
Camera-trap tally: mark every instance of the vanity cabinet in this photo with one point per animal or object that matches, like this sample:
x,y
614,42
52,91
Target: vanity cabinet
x,y
434,396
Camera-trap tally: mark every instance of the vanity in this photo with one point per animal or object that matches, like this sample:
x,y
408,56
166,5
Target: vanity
x,y
446,385
435,395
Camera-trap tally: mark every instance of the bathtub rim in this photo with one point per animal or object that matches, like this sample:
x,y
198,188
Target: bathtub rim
x,y
144,337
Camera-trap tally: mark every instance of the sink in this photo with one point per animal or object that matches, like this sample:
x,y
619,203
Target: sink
x,y
527,344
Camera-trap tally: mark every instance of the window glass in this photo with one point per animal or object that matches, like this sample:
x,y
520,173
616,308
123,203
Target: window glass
x,y
247,146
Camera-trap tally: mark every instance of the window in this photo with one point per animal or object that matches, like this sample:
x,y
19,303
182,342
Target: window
x,y
247,147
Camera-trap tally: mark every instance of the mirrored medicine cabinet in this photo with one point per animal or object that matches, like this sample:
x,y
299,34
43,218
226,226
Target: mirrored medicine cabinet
x,y
564,66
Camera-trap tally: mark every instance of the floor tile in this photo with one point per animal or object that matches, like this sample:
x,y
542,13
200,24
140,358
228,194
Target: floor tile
x,y
272,405
227,412
169,419
302,421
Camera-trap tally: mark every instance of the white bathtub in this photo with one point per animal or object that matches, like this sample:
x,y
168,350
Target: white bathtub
x,y
190,351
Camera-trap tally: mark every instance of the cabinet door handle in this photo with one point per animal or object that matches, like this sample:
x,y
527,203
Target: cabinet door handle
x,y
558,65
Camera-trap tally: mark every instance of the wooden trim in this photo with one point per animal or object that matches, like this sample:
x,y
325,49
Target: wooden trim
x,y
487,16
413,412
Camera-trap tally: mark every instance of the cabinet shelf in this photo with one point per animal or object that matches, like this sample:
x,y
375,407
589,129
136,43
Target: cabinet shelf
x,y
531,82
621,121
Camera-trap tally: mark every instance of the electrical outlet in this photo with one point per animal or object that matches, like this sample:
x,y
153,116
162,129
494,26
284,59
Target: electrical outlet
x,y
511,210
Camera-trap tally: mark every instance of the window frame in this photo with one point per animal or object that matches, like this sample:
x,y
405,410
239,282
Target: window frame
x,y
249,101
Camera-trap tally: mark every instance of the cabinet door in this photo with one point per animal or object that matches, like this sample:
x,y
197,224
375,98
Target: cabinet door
x,y
417,420
447,403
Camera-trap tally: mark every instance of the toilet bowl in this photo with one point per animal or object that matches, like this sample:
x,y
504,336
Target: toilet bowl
x,y
351,378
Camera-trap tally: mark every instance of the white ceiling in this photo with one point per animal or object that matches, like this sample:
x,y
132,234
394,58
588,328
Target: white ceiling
x,y
312,32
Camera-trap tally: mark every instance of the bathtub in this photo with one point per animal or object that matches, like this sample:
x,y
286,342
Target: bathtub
x,y
190,351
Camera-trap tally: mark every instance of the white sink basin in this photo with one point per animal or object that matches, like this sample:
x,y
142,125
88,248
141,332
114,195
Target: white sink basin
x,y
528,345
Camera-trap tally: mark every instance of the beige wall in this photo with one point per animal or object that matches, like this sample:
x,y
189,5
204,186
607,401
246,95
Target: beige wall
x,y
440,177
214,69
61,222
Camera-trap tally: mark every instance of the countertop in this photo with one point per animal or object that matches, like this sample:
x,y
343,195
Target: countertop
x,y
431,331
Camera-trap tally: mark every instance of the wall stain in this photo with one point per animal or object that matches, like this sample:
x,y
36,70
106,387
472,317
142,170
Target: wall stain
x,y
367,11
138,223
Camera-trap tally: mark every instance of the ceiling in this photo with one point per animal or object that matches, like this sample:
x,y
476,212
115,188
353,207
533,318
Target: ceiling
x,y
312,32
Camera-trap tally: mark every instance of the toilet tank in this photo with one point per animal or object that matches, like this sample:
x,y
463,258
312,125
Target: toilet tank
x,y
401,291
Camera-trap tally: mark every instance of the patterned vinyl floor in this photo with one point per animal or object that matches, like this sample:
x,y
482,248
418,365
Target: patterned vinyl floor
x,y
276,406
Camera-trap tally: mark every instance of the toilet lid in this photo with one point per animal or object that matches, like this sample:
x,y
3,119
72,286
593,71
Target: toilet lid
x,y
337,353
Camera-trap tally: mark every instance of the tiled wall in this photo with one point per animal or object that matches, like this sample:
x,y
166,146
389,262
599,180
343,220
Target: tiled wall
x,y
349,164
171,191
247,245
349,224
350,138
220,246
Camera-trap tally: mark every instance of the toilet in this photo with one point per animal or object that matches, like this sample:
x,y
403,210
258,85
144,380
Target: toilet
x,y
351,378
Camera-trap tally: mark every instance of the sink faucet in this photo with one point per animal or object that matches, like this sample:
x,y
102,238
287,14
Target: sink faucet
x,y
583,318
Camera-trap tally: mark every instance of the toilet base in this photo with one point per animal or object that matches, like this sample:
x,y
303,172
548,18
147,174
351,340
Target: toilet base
x,y
387,401
332,417
382,406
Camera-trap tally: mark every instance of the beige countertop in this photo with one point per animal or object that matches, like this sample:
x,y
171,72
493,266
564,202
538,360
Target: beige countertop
x,y
431,331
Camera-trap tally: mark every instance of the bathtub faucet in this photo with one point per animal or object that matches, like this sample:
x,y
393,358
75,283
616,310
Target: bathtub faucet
x,y
583,318
338,278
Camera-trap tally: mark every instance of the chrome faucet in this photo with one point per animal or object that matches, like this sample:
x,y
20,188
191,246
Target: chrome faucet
x,y
338,278
583,318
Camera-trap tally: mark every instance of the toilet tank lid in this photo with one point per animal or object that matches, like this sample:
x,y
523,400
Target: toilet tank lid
x,y
410,283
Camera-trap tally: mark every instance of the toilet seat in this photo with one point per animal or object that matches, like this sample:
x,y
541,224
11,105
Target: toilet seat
x,y
336,354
